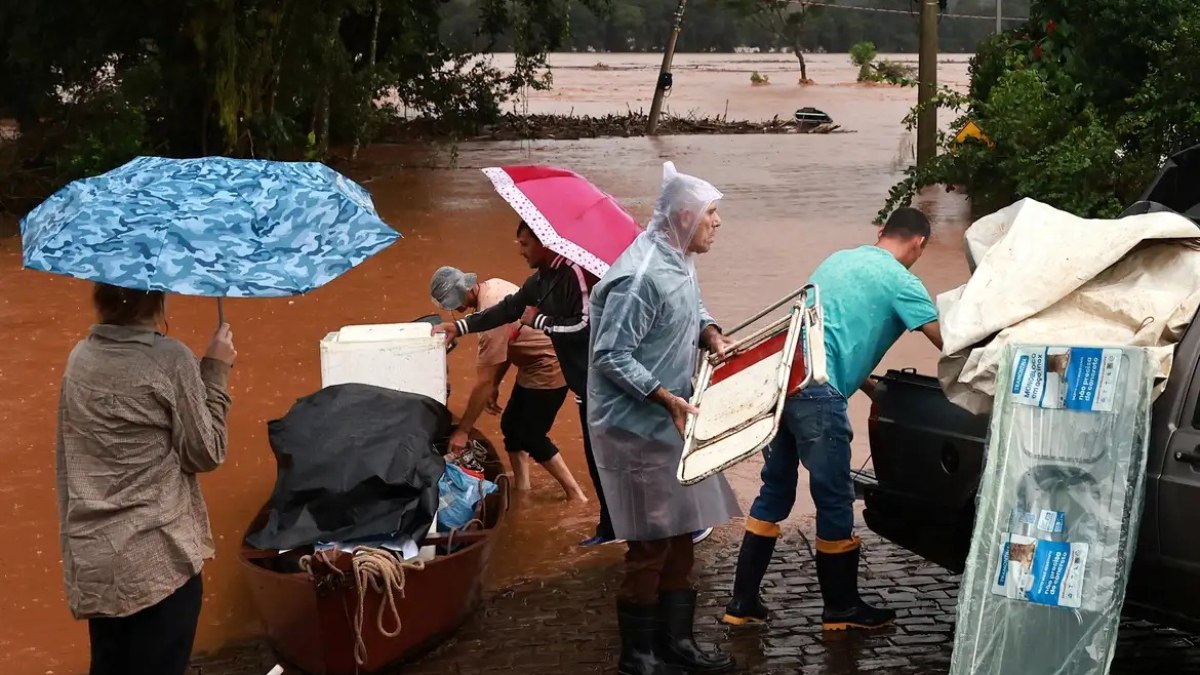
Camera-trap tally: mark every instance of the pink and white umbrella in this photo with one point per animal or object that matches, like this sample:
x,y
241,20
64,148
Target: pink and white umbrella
x,y
570,216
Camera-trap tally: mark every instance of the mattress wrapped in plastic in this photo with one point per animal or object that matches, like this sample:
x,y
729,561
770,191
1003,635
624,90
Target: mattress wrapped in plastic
x,y
1059,507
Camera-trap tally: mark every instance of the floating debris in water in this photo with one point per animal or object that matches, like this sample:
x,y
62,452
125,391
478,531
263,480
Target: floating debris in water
x,y
569,127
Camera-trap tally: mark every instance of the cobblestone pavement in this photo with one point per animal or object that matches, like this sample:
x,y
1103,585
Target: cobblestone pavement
x,y
567,625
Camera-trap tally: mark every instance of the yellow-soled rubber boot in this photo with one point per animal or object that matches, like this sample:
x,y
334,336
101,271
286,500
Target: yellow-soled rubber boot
x,y
837,570
758,545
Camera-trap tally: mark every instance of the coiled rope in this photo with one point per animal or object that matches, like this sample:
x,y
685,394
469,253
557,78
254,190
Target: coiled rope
x,y
382,572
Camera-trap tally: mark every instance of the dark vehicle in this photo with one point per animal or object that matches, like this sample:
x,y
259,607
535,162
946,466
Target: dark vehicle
x,y
929,455
810,118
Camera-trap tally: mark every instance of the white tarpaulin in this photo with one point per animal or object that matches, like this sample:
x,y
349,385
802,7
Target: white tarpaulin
x,y
1045,276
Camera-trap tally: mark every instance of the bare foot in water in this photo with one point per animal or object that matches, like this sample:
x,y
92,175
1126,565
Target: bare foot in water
x,y
558,468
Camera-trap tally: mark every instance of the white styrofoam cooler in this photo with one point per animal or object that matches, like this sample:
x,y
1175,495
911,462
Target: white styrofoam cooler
x,y
401,356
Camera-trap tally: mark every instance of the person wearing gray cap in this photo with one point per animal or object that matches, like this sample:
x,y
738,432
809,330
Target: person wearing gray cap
x,y
554,300
538,393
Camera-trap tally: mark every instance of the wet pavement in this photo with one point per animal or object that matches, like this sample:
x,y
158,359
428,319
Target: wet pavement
x,y
568,624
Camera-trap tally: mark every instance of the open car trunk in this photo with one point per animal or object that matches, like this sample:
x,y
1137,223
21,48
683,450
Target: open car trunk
x,y
928,458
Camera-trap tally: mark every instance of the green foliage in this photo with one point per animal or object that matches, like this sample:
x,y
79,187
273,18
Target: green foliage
x,y
863,53
93,84
1080,105
869,70
104,131
893,72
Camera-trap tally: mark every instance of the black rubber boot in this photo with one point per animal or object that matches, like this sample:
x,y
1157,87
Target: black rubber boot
x,y
746,606
837,570
638,625
677,641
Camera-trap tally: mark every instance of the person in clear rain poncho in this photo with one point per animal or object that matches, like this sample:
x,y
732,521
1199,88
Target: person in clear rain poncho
x,y
648,323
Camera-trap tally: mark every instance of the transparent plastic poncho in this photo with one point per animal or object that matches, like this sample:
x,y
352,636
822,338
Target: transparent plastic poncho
x,y
647,317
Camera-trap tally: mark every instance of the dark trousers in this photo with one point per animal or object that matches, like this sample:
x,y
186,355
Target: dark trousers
x,y
156,640
653,567
527,420
604,528
815,431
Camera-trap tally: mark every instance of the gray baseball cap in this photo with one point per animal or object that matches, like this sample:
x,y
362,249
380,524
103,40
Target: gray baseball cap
x,y
449,287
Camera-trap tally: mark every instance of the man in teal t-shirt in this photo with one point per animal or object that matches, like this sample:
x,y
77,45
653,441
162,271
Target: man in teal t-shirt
x,y
870,298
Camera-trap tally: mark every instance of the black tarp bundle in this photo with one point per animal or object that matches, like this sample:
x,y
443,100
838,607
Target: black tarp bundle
x,y
354,461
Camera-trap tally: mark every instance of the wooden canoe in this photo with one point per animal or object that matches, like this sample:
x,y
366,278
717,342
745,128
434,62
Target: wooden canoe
x,y
309,620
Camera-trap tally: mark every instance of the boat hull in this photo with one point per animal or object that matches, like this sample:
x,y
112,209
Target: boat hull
x,y
309,620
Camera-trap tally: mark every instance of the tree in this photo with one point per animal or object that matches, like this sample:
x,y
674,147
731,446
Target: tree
x,y
625,26
93,84
869,70
863,55
785,20
1078,107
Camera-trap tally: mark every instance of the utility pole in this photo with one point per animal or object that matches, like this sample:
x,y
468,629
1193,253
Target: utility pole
x,y
664,74
999,15
927,73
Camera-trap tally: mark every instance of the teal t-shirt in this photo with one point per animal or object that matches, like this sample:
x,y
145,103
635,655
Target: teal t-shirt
x,y
869,300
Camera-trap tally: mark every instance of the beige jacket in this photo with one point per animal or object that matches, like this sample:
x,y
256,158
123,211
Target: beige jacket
x,y
138,418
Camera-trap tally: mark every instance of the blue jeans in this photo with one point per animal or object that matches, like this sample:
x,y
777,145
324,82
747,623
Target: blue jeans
x,y
815,431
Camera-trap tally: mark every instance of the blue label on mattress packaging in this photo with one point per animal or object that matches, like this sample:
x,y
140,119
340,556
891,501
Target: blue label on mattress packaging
x,y
1023,517
1040,571
1075,378
1052,521
1057,573
1002,575
1083,374
1019,372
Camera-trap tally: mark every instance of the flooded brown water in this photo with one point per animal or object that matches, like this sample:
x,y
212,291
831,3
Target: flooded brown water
x,y
790,201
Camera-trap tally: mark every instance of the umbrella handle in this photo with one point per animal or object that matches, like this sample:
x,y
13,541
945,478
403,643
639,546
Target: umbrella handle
x,y
220,313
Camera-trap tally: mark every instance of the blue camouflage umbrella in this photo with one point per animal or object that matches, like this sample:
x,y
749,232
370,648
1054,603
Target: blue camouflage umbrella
x,y
212,226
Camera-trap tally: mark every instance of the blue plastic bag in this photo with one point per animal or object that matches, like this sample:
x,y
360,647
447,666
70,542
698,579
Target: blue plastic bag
x,y
458,493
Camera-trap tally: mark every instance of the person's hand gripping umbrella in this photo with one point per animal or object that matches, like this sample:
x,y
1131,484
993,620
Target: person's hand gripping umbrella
x,y
569,215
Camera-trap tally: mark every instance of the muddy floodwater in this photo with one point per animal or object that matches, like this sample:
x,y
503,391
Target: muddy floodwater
x,y
789,201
